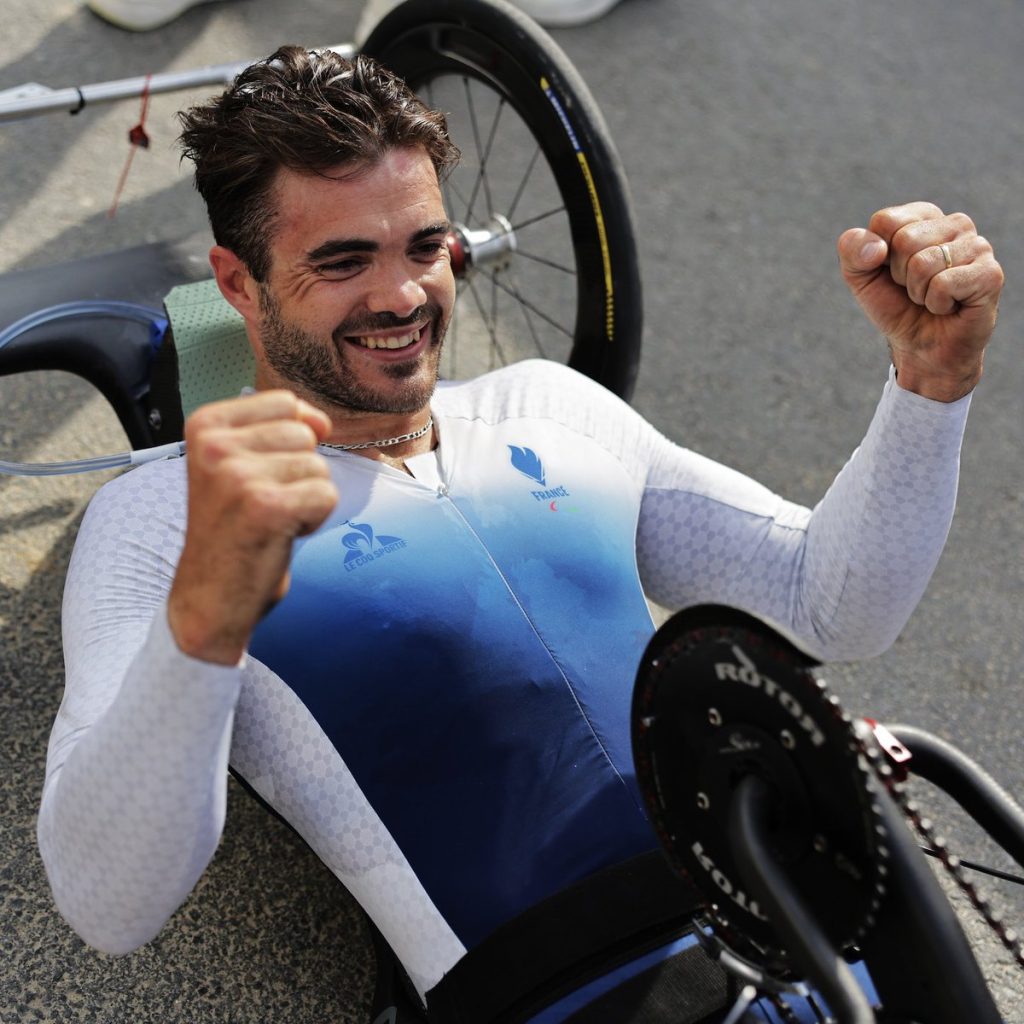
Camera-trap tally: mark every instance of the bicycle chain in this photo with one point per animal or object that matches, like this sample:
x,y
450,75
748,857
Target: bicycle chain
x,y
874,760
897,789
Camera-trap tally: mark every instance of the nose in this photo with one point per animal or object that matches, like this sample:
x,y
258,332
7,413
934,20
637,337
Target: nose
x,y
395,289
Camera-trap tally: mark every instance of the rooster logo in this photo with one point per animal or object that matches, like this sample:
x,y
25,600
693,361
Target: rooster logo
x,y
526,461
363,542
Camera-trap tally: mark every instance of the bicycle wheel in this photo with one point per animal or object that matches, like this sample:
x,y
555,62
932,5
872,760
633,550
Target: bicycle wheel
x,y
544,246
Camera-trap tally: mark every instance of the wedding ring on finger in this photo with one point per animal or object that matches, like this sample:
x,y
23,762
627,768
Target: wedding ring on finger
x,y
946,255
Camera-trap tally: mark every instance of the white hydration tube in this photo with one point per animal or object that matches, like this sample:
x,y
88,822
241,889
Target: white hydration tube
x,y
133,458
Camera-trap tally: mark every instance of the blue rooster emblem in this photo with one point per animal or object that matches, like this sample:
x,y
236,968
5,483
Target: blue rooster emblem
x,y
363,542
527,462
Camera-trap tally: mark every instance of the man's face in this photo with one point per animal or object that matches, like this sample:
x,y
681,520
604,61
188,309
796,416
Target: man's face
x,y
360,289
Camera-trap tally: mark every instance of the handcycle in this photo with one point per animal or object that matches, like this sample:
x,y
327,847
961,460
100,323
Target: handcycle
x,y
131,382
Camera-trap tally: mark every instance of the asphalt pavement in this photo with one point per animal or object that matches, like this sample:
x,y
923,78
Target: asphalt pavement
x,y
752,134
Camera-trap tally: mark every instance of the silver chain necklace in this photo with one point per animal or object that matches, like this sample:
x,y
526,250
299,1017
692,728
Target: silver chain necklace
x,y
387,442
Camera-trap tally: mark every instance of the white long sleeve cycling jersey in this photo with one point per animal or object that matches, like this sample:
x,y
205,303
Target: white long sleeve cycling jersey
x,y
440,705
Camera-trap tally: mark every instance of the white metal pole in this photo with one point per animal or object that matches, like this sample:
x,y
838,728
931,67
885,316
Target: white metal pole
x,y
32,100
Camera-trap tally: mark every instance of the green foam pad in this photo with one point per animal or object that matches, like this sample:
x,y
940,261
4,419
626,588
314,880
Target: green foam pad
x,y
214,357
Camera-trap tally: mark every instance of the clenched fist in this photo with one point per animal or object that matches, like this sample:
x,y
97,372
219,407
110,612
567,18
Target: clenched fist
x,y
255,483
930,283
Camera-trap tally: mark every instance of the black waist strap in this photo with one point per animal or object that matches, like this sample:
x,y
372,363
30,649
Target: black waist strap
x,y
570,938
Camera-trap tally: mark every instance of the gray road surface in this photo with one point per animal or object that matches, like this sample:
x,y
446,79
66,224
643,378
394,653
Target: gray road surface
x,y
752,133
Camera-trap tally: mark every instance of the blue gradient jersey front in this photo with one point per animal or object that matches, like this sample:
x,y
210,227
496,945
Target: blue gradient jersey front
x,y
440,705
467,638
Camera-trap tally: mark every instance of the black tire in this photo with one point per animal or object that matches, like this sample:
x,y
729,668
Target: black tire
x,y
572,288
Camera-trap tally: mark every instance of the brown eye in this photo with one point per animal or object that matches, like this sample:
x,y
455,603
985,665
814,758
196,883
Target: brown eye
x,y
339,267
429,250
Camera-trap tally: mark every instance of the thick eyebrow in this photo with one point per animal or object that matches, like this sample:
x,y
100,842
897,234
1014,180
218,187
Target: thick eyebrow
x,y
339,246
441,228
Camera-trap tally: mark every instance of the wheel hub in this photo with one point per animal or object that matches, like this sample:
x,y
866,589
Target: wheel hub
x,y
492,245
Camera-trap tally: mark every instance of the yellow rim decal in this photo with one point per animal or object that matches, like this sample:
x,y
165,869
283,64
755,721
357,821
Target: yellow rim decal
x,y
609,302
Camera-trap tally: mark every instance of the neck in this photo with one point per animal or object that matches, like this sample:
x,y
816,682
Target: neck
x,y
387,438
354,426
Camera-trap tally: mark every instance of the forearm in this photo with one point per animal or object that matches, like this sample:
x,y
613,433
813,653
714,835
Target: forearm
x,y
874,540
843,579
133,805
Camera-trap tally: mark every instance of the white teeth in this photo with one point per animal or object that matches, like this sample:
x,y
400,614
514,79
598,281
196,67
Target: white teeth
x,y
400,341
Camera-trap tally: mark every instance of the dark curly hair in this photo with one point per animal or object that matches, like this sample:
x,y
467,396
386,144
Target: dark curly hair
x,y
304,110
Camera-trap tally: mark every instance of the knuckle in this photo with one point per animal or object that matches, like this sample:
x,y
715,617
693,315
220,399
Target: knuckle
x,y
918,262
920,210
939,298
905,241
309,466
881,222
259,501
208,445
288,397
281,402
940,288
962,222
302,434
995,277
326,496
319,467
235,475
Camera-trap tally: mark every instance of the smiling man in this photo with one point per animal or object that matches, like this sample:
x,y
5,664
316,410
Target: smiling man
x,y
357,589
355,321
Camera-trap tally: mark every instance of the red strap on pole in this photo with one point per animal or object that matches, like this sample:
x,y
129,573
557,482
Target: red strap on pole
x,y
138,138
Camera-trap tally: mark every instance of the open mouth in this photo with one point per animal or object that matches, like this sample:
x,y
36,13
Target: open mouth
x,y
391,342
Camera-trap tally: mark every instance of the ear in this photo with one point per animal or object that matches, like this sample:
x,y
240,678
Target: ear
x,y
236,284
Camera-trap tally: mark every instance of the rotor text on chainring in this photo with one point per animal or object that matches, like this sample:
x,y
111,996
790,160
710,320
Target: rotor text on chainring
x,y
747,673
738,896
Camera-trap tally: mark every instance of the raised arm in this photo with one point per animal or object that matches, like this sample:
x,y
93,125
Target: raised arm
x,y
846,577
157,616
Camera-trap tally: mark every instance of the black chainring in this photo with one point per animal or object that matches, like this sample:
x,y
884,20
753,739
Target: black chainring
x,y
720,695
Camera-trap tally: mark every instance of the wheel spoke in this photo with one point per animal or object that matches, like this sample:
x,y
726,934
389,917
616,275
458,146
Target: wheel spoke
x,y
490,327
451,340
458,193
546,262
481,176
487,155
446,185
531,327
494,317
529,305
522,184
540,216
